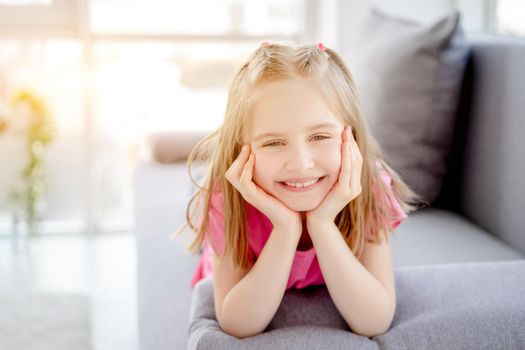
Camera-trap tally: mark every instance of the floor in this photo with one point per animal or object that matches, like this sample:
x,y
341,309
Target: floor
x,y
102,267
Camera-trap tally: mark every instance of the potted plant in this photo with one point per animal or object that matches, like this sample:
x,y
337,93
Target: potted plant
x,y
29,117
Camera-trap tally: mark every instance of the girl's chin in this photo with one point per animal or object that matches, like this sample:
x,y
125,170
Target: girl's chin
x,y
301,206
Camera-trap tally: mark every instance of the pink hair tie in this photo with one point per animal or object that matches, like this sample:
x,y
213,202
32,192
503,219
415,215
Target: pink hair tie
x,y
265,44
321,47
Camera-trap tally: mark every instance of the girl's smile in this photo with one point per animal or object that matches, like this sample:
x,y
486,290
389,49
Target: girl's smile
x,y
302,185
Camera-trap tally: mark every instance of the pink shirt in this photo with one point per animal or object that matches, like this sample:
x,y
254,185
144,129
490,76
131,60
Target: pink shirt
x,y
305,268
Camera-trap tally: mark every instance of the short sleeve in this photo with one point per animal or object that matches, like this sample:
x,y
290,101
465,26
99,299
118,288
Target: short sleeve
x,y
215,229
398,214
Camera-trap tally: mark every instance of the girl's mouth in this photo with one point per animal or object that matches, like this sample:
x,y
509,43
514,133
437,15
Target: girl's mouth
x,y
298,187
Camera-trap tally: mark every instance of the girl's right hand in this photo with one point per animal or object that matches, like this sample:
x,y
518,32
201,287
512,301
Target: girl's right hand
x,y
240,176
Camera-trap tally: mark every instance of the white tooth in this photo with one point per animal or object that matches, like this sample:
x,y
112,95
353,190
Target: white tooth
x,y
300,185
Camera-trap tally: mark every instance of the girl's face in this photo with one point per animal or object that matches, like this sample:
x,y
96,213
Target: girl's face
x,y
297,144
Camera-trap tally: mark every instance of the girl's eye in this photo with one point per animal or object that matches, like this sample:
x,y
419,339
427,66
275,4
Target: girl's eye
x,y
316,138
271,144
320,137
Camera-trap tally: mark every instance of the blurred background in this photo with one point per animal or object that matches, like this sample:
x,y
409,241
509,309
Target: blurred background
x,y
82,85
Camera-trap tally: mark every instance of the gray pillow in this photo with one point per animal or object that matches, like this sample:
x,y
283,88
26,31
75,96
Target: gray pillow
x,y
409,76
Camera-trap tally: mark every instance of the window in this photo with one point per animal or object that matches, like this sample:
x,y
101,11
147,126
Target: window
x,y
510,17
493,17
44,18
198,17
116,72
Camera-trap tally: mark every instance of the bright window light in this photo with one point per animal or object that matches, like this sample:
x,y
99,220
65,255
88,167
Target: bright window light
x,y
25,2
510,17
198,17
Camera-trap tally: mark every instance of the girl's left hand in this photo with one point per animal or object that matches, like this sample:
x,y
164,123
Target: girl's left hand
x,y
348,185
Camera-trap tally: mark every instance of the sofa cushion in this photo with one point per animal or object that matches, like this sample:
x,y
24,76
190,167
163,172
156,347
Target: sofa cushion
x,y
449,306
437,236
459,306
409,77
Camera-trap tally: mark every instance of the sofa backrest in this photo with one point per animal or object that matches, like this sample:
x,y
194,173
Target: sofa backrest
x,y
485,176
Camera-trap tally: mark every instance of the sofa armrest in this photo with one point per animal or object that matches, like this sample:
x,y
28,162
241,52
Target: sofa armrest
x,y
298,324
450,306
170,147
164,269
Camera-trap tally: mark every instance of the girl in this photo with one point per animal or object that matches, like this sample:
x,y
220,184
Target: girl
x,y
297,193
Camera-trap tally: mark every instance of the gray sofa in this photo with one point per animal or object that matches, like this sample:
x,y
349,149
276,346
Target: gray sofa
x,y
459,264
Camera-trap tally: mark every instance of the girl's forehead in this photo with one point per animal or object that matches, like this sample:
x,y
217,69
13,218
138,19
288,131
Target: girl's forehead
x,y
287,107
301,85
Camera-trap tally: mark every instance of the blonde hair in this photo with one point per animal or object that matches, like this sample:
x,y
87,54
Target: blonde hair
x,y
273,62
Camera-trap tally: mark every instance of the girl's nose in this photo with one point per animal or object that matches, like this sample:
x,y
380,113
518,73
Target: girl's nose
x,y
299,160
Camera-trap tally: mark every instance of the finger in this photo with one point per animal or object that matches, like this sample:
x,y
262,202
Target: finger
x,y
229,173
344,174
357,157
238,164
247,172
358,154
357,162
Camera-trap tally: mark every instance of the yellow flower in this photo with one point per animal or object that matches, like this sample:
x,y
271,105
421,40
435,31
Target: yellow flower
x,y
3,125
41,127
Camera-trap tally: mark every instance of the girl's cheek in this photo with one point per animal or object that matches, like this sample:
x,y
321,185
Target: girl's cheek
x,y
261,163
332,157
331,151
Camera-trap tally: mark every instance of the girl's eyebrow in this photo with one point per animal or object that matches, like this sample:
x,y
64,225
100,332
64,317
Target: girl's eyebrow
x,y
310,128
